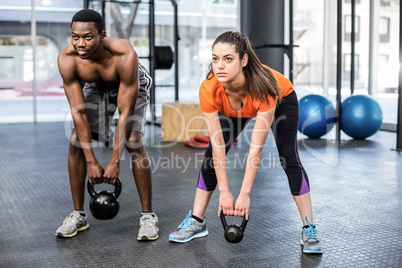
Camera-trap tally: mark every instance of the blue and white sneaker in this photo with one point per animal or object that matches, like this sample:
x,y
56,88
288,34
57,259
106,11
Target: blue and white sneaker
x,y
310,239
189,229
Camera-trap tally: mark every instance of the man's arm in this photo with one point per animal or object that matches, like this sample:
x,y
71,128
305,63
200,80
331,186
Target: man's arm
x,y
75,97
127,70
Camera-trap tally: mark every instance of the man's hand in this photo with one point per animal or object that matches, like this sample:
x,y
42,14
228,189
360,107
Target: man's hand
x,y
95,173
242,206
226,203
111,173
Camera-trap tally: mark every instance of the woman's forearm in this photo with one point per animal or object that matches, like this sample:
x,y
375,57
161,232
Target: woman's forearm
x,y
219,160
253,163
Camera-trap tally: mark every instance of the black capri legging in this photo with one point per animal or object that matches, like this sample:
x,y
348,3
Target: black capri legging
x,y
284,129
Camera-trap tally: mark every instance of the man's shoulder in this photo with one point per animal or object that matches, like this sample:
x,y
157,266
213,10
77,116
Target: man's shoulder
x,y
68,53
67,57
118,46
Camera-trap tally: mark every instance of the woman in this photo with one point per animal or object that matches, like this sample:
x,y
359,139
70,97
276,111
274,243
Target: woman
x,y
238,87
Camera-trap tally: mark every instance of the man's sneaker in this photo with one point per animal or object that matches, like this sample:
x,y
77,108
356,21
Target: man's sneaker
x,y
189,229
148,227
310,240
72,224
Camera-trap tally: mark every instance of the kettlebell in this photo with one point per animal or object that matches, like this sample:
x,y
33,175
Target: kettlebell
x,y
233,233
104,205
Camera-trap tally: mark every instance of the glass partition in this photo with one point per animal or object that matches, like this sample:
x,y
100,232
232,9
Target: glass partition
x,y
376,50
309,74
16,57
200,22
386,61
16,63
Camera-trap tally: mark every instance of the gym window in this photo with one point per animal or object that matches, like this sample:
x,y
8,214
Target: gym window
x,y
348,28
224,2
347,58
385,3
16,58
384,26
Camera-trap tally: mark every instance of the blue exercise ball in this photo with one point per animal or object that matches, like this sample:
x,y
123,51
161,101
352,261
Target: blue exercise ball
x,y
361,116
316,116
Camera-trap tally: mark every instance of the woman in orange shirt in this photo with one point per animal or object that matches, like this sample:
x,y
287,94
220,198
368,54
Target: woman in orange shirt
x,y
238,88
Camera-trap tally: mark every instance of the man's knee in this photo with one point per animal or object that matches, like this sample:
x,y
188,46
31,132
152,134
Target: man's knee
x,y
134,143
74,142
73,136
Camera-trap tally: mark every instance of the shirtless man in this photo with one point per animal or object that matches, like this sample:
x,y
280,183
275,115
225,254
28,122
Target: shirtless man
x,y
96,68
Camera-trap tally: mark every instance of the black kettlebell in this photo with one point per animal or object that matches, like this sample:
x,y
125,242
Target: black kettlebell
x,y
233,233
104,205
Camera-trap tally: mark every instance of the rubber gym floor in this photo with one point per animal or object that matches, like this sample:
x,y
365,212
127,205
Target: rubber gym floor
x,y
356,193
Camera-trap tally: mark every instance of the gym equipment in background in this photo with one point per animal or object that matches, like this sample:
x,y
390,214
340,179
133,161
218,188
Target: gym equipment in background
x,y
316,116
361,116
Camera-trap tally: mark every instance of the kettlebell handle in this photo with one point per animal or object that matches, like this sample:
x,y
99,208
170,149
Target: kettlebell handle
x,y
243,224
225,225
117,188
223,219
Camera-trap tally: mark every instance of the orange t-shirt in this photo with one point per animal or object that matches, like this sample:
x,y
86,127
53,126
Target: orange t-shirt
x,y
213,97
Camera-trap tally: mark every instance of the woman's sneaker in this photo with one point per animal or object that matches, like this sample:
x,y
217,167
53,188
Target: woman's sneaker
x,y
189,229
148,227
310,239
73,223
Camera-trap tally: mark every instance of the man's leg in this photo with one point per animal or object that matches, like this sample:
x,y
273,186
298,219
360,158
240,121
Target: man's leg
x,y
141,169
77,170
140,162
76,220
142,175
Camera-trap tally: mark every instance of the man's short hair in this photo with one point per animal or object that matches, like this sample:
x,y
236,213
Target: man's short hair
x,y
89,15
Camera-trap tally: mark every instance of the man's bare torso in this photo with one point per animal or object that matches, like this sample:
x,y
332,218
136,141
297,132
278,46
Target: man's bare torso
x,y
103,70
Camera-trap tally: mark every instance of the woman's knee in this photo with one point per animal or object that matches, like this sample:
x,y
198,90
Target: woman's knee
x,y
290,163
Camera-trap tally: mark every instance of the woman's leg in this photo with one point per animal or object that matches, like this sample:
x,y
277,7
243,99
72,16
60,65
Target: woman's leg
x,y
201,202
303,203
285,133
194,226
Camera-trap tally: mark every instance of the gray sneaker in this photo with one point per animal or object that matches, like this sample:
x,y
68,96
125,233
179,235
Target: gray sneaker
x,y
189,229
73,223
310,239
148,227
